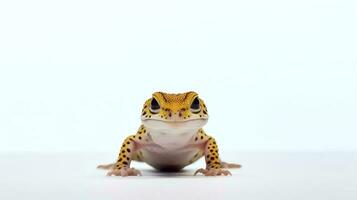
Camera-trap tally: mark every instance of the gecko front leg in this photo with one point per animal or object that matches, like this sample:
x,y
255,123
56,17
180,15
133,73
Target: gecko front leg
x,y
127,153
214,166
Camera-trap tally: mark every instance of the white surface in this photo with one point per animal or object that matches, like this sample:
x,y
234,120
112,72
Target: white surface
x,y
278,176
276,75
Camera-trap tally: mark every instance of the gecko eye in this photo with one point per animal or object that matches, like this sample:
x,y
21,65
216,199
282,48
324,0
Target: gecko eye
x,y
154,107
195,106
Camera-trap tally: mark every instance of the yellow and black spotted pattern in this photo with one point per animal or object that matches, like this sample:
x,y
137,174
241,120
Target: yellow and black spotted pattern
x,y
128,151
210,149
169,105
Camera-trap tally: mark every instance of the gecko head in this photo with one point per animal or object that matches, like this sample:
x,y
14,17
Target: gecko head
x,y
174,111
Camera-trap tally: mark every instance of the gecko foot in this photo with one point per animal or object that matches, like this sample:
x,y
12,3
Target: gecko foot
x,y
124,172
213,172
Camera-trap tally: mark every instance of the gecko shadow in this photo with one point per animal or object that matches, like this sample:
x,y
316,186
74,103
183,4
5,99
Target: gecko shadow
x,y
168,173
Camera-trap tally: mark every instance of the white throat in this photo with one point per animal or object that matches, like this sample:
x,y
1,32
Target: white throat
x,y
172,138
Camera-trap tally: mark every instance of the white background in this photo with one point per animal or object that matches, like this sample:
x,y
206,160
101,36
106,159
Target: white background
x,y
278,77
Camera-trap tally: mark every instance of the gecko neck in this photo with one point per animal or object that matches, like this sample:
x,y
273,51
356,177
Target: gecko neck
x,y
172,138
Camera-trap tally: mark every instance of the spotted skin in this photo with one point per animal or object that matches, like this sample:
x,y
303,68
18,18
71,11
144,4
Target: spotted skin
x,y
171,137
211,151
130,149
179,104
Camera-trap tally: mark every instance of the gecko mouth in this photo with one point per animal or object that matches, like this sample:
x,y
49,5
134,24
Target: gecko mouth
x,y
179,124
